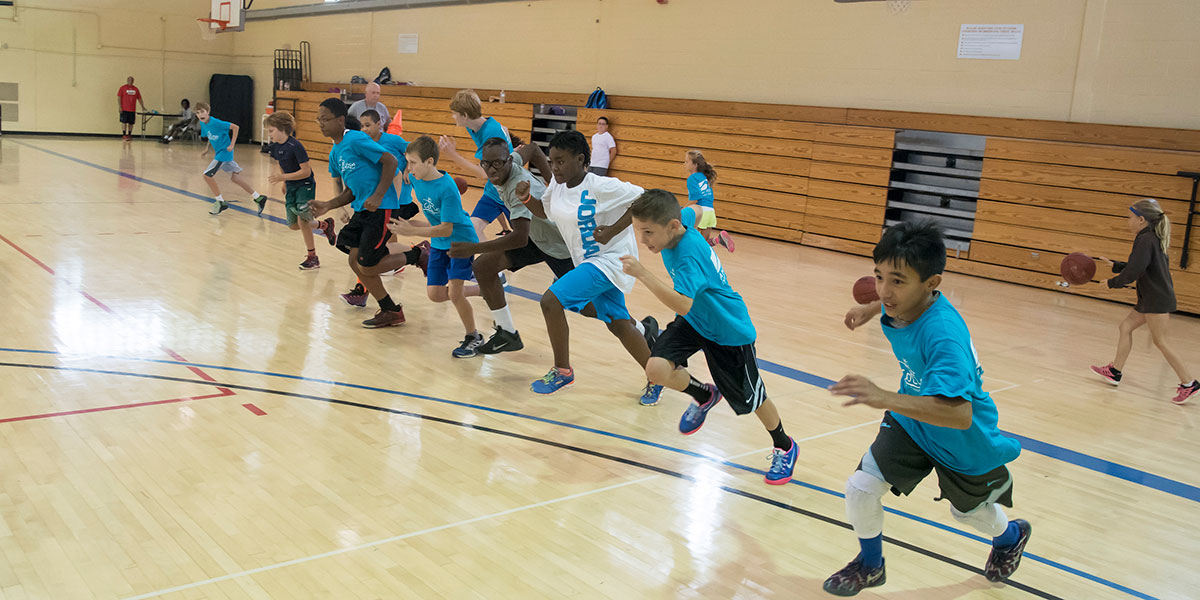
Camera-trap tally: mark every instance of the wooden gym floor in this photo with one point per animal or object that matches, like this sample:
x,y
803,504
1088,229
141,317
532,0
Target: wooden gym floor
x,y
187,415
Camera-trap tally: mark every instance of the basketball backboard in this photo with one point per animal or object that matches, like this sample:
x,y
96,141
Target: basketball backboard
x,y
231,12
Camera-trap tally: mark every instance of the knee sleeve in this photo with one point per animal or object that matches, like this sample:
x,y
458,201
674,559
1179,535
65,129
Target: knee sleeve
x,y
988,519
864,503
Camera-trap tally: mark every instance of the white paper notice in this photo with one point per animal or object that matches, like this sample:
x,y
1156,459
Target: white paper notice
x,y
408,43
992,42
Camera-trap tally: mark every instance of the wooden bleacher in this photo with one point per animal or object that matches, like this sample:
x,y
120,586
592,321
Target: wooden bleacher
x,y
819,176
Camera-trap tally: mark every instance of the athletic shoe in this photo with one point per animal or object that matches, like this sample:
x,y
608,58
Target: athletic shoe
x,y
502,341
261,201
651,325
310,263
693,417
650,394
782,465
469,346
1003,562
553,382
395,271
1185,391
327,229
1112,377
218,207
423,261
854,578
385,318
356,297
725,240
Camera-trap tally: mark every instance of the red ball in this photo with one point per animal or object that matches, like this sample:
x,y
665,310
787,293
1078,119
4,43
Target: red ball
x,y
1077,268
462,185
864,290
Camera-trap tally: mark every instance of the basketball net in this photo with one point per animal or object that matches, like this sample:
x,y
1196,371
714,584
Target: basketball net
x,y
208,33
897,6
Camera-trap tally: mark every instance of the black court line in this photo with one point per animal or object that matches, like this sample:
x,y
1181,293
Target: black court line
x,y
545,442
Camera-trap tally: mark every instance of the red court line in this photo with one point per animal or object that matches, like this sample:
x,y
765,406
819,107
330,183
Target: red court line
x,y
199,373
254,409
224,392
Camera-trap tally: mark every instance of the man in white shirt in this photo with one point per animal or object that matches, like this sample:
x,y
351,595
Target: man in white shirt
x,y
604,148
371,102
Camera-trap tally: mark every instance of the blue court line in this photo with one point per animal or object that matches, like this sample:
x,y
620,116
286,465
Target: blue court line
x,y
601,432
1099,465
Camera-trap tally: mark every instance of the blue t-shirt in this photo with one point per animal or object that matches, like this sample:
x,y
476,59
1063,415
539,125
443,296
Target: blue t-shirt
x,y
355,160
217,132
441,203
718,313
396,146
698,190
491,128
938,359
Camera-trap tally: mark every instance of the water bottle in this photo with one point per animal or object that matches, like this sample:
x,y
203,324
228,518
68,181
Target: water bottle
x,y
501,96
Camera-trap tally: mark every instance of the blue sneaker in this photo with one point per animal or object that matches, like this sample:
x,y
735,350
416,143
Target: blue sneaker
x,y
693,417
650,394
552,382
782,465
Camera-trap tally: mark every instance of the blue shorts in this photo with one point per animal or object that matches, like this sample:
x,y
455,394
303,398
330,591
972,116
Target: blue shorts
x,y
490,205
442,268
586,284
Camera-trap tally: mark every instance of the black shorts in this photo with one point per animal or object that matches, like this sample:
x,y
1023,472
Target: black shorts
x,y
904,464
128,116
734,368
368,232
530,254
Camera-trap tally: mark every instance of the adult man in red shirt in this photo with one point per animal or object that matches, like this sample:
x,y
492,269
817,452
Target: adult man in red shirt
x,y
128,97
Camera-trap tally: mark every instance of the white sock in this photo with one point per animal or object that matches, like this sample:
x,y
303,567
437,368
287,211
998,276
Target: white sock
x,y
641,328
503,319
220,198
315,225
254,194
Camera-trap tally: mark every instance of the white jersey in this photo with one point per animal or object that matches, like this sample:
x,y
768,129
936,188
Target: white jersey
x,y
577,211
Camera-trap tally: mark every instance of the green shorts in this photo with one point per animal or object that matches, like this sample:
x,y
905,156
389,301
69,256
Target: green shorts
x,y
296,202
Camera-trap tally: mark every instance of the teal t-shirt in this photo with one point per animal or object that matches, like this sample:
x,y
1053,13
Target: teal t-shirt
x,y
217,133
698,190
355,160
718,313
441,203
937,358
396,146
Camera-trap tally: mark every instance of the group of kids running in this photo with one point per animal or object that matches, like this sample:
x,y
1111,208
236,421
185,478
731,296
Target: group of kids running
x,y
586,228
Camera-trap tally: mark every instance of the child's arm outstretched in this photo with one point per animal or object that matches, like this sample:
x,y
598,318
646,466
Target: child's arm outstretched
x,y
448,147
665,293
939,411
859,315
418,228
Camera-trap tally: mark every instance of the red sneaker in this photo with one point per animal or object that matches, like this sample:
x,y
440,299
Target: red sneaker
x,y
1113,377
725,240
1186,391
327,229
385,318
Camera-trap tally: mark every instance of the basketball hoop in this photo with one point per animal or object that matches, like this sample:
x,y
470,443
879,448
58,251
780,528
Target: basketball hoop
x,y
897,6
210,27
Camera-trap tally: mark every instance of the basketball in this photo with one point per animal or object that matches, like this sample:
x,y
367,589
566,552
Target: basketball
x,y
462,185
864,290
1078,268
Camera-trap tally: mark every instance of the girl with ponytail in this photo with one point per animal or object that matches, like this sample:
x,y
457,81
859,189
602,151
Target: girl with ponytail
x,y
1149,267
701,176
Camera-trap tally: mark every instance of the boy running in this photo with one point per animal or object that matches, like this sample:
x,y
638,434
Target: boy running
x,y
367,170
222,135
299,186
941,419
710,317
446,277
592,215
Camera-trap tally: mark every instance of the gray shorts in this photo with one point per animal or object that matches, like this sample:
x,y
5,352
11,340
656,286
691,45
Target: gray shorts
x,y
228,166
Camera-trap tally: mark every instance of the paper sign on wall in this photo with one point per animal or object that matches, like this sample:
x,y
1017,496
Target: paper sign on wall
x,y
990,42
408,43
